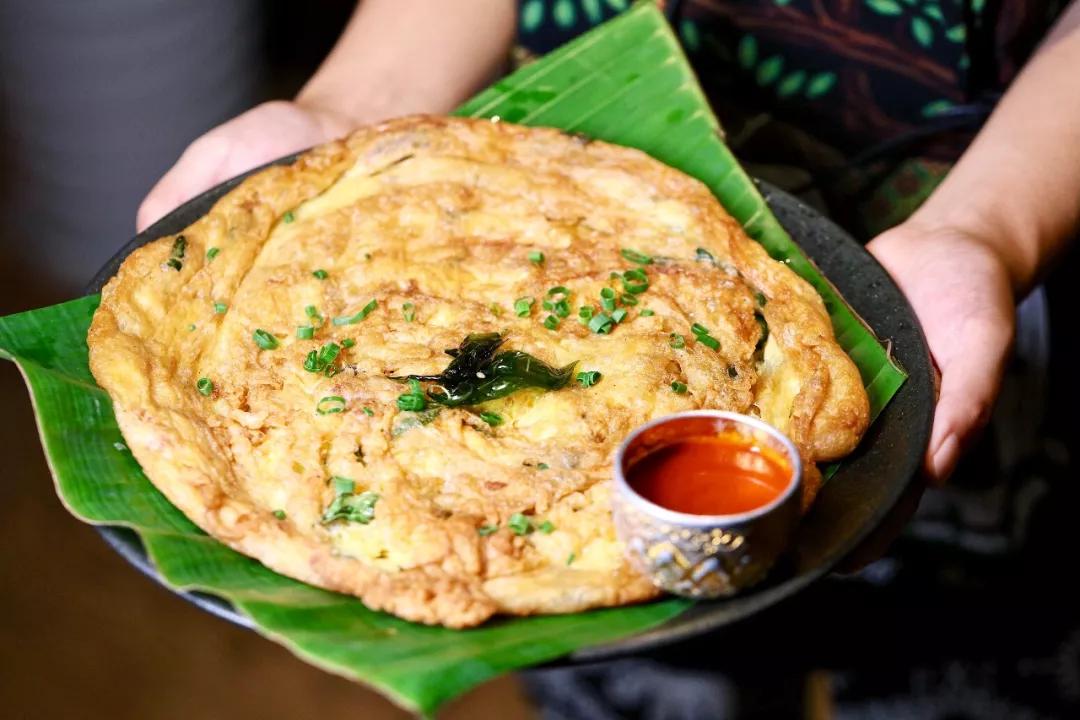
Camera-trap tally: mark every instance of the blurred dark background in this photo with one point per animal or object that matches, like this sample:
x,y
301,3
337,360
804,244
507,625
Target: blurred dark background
x,y
972,614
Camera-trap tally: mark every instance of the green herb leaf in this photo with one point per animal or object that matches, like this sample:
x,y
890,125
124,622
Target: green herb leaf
x,y
351,507
220,308
305,332
569,559
348,343
264,340
542,466
546,527
678,387
343,485
601,324
607,299
647,313
353,319
212,253
280,514
709,341
519,524
635,281
408,311
588,378
678,341
551,322
411,403
619,315
536,257
205,386
485,530
369,412
523,306
321,274
627,299
492,419
176,257
288,217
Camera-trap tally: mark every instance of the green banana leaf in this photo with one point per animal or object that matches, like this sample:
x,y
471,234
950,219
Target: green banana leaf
x,y
626,82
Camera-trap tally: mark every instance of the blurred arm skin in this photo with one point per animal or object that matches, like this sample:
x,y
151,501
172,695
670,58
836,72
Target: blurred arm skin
x,y
988,233
395,57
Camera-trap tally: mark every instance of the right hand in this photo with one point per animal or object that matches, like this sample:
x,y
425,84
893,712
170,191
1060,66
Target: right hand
x,y
264,133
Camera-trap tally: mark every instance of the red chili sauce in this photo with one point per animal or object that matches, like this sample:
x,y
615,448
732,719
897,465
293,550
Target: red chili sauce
x,y
711,475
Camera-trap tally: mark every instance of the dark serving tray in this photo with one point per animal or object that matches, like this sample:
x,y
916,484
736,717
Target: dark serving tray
x,y
853,503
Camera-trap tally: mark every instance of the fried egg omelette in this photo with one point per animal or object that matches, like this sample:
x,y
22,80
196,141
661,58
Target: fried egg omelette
x,y
263,363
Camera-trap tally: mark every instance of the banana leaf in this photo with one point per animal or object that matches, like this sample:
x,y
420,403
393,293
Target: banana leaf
x,y
626,82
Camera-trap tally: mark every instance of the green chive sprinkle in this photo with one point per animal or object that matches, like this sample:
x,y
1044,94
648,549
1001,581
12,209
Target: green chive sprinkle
x,y
176,258
492,419
205,386
709,341
601,324
321,274
607,299
562,308
761,299
311,362
485,530
699,329
330,405
647,313
279,514
305,332
678,341
586,312
264,340
343,485
635,256
589,378
408,311
348,343
704,255
523,306
536,257
191,327
413,400
353,319
288,217
220,308
558,291
628,300
635,281
546,527
551,322
542,466
519,524
212,253
678,387
619,315
369,412
570,559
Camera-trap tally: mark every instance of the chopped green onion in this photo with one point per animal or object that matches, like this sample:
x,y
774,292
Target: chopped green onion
x,y
628,300
411,402
348,343
519,524
570,559
588,378
635,256
761,299
635,281
485,530
709,341
220,308
353,319
678,341
546,527
311,362
205,386
343,485
369,412
619,315
551,322
288,217
699,329
348,505
327,354
614,276
542,466
536,257
330,405
321,274
305,332
492,419
562,308
280,514
607,299
523,306
176,258
601,324
264,340
647,313
212,253
678,387
585,312
705,256
547,305
408,311
191,327
559,290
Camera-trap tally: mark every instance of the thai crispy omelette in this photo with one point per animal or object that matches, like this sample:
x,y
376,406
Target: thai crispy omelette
x,y
399,367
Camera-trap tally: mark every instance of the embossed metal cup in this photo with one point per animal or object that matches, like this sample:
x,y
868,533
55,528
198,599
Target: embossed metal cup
x,y
703,556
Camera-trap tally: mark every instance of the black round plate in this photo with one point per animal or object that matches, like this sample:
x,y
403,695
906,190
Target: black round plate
x,y
849,507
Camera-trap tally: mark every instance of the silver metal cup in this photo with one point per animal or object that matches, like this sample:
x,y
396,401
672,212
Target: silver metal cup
x,y
703,556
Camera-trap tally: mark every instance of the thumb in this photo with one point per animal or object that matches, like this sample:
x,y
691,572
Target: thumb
x,y
198,169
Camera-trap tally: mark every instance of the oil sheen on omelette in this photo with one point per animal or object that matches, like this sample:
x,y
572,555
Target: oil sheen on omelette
x,y
258,361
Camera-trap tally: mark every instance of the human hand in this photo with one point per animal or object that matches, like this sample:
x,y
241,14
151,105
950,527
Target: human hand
x,y
262,134
961,290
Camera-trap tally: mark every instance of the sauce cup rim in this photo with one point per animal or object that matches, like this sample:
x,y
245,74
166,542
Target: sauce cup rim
x,y
681,518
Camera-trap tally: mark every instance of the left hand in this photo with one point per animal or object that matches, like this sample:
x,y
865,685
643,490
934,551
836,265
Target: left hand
x,y
961,291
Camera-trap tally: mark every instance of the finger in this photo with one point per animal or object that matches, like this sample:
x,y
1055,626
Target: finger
x,y
197,170
969,384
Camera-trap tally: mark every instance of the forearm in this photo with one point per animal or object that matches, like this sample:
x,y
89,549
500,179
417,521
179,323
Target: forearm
x,y
404,56
1018,185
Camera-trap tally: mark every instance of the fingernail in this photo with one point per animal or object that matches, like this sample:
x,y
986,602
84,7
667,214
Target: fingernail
x,y
944,459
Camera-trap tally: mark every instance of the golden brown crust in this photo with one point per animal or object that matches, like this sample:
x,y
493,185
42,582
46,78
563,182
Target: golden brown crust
x,y
442,213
